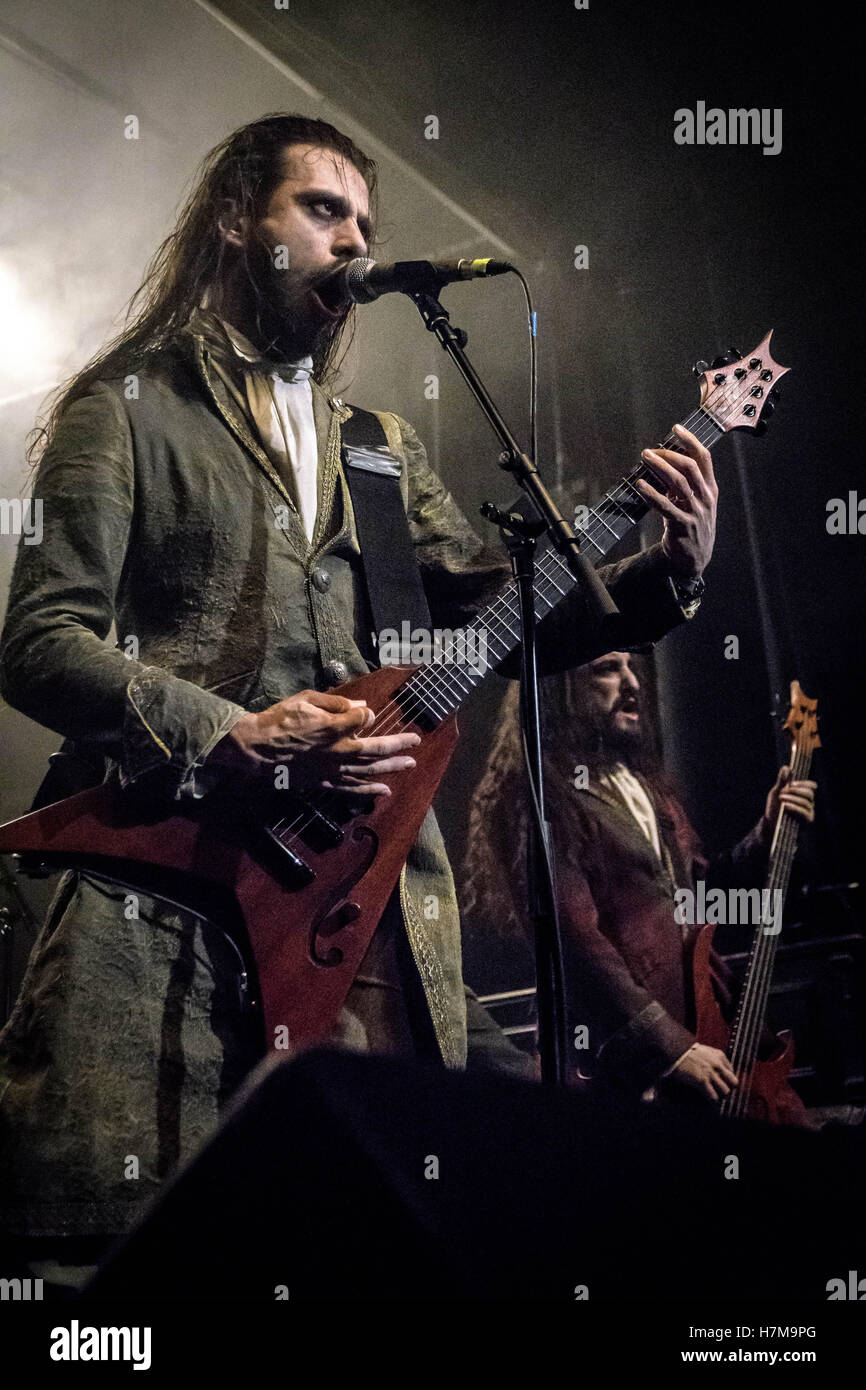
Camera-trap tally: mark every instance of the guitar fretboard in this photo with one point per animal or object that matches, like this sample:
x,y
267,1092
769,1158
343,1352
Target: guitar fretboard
x,y
439,689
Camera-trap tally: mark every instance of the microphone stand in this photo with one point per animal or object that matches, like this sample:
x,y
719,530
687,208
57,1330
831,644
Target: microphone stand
x,y
520,538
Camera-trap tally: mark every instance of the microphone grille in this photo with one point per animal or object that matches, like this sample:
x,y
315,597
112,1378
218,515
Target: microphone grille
x,y
356,281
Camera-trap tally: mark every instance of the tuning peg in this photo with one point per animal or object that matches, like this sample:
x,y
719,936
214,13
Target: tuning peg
x,y
700,367
720,361
736,353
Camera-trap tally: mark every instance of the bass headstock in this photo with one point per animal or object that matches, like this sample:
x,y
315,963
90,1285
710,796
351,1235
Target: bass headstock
x,y
802,721
740,392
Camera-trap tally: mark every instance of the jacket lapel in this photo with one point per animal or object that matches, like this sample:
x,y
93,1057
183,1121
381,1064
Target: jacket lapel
x,y
627,824
334,519
229,413
331,493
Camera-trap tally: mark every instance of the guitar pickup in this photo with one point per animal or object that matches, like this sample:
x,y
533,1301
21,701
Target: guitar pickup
x,y
281,861
319,831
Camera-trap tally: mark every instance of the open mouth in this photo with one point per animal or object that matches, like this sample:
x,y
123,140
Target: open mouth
x,y
325,308
331,295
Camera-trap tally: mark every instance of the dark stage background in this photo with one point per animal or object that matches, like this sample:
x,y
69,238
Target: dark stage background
x,y
555,130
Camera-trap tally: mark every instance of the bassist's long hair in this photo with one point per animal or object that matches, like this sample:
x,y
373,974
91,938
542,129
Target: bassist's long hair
x,y
492,879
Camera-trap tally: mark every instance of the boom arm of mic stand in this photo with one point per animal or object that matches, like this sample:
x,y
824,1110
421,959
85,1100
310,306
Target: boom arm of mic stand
x,y
599,604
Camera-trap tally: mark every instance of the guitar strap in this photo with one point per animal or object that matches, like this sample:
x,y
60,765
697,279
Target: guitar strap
x,y
391,573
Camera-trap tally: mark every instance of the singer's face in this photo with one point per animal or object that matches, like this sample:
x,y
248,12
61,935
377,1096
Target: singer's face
x,y
317,219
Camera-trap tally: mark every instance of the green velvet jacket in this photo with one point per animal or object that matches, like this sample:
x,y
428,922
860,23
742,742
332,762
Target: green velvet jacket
x,y
164,517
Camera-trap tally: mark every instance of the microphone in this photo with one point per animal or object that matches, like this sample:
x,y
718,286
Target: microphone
x,y
363,280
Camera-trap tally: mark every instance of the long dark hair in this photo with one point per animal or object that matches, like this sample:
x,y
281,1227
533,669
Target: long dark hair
x,y
492,875
243,169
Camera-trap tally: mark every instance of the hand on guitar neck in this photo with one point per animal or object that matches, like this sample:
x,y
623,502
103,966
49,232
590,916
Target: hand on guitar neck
x,y
797,796
318,736
688,503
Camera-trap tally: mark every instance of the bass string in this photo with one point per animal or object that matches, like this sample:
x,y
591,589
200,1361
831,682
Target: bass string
x,y
756,987
759,978
777,880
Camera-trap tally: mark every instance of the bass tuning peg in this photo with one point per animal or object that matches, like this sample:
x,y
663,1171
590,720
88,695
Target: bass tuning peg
x,y
700,367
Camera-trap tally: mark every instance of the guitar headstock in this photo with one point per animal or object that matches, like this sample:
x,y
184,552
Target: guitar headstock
x,y
740,392
802,721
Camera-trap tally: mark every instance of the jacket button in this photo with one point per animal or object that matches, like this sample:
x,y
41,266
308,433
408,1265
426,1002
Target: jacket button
x,y
335,672
321,580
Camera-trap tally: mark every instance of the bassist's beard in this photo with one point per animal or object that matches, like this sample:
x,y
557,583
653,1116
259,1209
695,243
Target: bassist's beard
x,y
598,742
616,744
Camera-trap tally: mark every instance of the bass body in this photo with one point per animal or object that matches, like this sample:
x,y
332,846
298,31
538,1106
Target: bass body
x,y
766,1085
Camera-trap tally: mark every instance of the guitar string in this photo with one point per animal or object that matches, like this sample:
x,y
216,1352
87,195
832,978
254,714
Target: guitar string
x,y
701,416
749,1021
398,712
433,681
436,683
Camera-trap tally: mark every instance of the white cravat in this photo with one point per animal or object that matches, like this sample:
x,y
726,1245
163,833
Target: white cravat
x,y
279,399
628,788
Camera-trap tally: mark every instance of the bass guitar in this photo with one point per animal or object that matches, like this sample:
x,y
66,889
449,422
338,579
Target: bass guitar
x,y
761,1081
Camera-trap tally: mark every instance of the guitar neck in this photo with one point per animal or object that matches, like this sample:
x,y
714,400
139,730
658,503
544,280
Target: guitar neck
x,y
440,689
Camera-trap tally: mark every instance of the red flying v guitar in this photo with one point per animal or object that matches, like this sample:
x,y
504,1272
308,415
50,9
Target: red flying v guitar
x,y
309,876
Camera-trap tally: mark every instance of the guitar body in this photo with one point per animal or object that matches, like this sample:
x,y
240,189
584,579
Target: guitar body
x,y
308,884
307,939
769,1078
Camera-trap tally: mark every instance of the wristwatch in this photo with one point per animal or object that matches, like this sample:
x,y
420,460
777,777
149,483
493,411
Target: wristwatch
x,y
689,593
